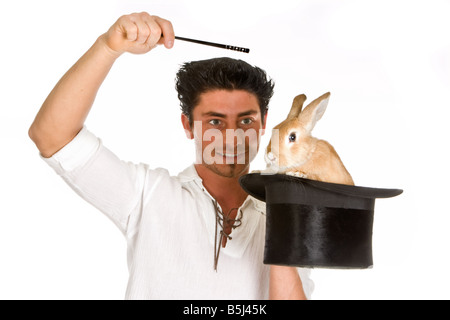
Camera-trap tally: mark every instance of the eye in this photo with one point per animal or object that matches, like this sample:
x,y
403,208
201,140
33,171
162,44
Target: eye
x,y
214,122
246,121
292,137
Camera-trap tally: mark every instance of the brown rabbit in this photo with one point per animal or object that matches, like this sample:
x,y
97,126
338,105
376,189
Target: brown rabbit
x,y
298,153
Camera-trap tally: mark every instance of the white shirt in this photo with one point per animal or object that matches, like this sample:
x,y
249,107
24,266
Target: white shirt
x,y
169,225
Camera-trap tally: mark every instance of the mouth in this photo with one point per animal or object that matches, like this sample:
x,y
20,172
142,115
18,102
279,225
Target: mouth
x,y
233,158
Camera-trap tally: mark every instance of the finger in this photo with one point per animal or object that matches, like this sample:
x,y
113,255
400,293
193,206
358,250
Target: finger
x,y
142,27
167,32
128,28
155,32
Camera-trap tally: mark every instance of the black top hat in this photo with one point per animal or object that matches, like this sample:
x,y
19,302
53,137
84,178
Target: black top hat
x,y
316,224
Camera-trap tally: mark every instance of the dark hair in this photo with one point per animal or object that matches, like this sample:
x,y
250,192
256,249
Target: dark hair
x,y
197,77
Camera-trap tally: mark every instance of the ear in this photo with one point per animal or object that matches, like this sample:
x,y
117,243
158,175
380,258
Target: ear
x,y
314,112
297,106
187,126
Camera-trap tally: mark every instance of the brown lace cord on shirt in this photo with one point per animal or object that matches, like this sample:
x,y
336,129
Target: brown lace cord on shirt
x,y
222,220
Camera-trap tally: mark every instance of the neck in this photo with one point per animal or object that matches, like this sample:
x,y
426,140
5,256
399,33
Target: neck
x,y
226,190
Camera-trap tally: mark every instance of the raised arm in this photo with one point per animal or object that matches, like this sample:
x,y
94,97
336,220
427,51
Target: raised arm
x,y
64,111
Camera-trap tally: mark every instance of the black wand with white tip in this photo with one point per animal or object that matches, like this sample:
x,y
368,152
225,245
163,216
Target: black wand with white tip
x,y
217,45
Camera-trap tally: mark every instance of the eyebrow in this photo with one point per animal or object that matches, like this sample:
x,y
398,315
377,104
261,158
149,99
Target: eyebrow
x,y
221,115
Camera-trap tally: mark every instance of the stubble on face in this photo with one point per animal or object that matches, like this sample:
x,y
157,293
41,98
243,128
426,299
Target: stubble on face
x,y
222,110
228,170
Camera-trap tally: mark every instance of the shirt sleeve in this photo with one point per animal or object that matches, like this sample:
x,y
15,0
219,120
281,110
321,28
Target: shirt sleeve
x,y
113,186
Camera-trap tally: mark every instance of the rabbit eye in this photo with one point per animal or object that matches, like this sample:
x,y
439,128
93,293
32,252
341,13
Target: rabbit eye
x,y
292,137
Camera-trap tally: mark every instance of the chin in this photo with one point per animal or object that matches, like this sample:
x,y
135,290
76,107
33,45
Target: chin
x,y
230,170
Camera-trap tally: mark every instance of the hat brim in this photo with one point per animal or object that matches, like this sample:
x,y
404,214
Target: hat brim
x,y
255,185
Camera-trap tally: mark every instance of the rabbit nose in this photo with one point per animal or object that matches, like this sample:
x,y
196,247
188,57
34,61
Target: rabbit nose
x,y
270,156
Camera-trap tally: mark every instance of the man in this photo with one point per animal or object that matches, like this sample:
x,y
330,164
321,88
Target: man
x,y
194,236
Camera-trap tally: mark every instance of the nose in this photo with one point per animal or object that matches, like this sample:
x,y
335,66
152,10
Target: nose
x,y
234,140
271,157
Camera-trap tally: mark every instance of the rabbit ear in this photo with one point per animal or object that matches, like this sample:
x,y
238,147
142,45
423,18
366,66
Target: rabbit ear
x,y
314,112
297,106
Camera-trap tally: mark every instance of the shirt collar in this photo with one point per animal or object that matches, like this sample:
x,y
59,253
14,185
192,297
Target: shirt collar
x,y
252,211
190,175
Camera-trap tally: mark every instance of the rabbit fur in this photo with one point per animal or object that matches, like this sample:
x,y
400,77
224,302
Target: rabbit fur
x,y
294,151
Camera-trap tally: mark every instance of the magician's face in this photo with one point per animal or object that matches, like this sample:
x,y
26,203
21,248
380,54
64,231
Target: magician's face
x,y
227,126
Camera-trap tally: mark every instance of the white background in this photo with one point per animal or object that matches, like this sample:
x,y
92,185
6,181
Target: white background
x,y
386,63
